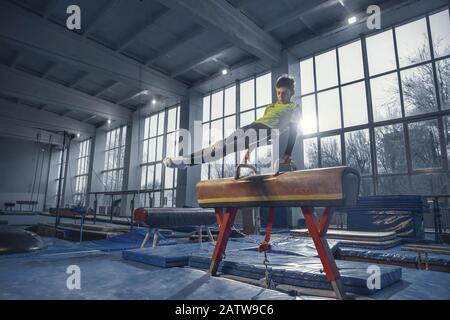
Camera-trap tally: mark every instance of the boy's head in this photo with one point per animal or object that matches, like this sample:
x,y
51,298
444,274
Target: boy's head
x,y
285,88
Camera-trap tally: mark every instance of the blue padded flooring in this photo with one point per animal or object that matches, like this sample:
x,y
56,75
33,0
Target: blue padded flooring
x,y
127,241
287,245
393,254
297,271
106,276
178,255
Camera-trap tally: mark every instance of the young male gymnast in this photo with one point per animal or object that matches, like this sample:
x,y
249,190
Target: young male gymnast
x,y
282,115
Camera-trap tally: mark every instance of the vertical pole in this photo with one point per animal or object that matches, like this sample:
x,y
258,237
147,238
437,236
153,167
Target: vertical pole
x,y
58,198
132,211
95,208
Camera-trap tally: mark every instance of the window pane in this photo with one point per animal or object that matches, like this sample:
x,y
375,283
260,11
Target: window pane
x,y
172,120
124,135
171,144
216,131
264,90
161,122
143,177
217,105
354,104
205,170
206,105
247,118
158,176
310,153
366,187
159,148
424,140
330,148
390,146
205,138
216,170
145,152
412,42
309,119
440,33
247,95
326,70
306,76
385,97
329,110
230,100
357,151
146,127
229,165
419,92
153,125
169,196
381,53
443,73
350,62
393,185
429,184
150,176
152,150
168,181
230,125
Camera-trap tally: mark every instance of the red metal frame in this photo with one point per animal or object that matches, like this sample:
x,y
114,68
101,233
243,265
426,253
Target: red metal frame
x,y
317,229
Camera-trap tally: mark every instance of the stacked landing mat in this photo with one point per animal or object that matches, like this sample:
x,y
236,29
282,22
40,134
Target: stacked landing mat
x,y
298,271
176,255
396,255
358,239
402,214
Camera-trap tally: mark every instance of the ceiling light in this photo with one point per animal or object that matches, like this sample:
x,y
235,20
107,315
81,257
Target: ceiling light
x,y
154,101
351,20
225,71
78,135
109,121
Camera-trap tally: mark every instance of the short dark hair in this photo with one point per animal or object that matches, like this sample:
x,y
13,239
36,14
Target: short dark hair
x,y
286,81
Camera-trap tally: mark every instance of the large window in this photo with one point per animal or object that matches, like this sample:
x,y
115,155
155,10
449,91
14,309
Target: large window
x,y
114,159
380,104
160,141
82,173
224,110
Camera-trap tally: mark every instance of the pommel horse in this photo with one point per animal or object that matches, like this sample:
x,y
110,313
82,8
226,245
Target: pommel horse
x,y
307,189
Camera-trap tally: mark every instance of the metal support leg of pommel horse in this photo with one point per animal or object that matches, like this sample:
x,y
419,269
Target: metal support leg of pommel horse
x,y
317,229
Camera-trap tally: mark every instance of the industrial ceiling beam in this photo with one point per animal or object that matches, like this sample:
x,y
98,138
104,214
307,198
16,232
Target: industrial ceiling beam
x,y
221,16
150,22
103,12
22,85
194,64
306,7
188,36
26,116
25,30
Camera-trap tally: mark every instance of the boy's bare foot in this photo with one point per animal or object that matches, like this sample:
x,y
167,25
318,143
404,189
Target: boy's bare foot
x,y
176,162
